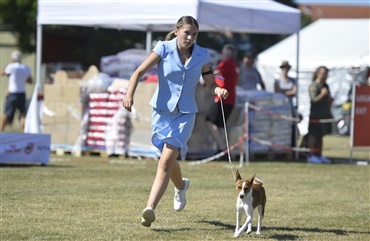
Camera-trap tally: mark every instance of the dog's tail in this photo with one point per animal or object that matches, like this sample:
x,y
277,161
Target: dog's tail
x,y
257,181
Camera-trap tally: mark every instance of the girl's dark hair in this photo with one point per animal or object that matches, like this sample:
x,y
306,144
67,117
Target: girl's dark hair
x,y
314,76
180,23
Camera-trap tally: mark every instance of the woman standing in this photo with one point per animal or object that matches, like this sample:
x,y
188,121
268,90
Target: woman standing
x,y
285,84
320,109
180,63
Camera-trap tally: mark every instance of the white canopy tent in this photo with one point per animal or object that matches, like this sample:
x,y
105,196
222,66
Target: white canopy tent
x,y
339,44
213,16
248,16
264,16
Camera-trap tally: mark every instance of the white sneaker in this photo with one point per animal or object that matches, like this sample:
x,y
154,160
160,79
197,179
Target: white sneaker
x,y
314,159
325,159
179,200
148,217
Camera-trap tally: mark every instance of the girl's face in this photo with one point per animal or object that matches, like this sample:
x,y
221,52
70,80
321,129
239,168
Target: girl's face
x,y
186,36
285,70
322,75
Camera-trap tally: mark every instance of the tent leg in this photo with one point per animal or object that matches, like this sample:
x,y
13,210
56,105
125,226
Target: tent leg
x,y
296,135
148,41
38,53
32,121
352,120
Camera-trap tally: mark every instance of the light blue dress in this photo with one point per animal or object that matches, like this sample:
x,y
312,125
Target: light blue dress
x,y
174,104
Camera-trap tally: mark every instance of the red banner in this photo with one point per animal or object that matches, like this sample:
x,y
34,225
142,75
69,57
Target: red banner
x,y
361,135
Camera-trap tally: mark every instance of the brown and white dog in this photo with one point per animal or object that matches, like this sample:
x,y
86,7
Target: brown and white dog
x,y
251,195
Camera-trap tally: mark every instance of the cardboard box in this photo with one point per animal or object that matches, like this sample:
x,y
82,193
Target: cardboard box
x,y
71,92
60,77
62,93
63,134
52,93
62,113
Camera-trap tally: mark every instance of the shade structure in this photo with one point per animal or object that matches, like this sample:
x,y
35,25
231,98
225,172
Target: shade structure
x,y
242,16
263,16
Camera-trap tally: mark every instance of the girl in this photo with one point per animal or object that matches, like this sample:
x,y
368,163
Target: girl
x,y
180,63
321,101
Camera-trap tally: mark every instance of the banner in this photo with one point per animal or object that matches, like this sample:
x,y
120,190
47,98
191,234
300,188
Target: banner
x,y
361,134
24,148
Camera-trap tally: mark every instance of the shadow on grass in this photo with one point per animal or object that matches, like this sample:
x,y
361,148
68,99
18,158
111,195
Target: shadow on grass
x,y
23,165
287,236
219,224
164,230
315,230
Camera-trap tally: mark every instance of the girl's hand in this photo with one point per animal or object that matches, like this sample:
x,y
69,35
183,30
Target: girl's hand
x,y
221,92
324,91
127,102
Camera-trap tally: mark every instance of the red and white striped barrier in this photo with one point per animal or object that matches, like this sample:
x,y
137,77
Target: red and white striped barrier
x,y
240,142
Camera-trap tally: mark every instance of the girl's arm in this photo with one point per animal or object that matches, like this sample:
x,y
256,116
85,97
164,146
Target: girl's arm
x,y
291,92
211,84
148,63
317,95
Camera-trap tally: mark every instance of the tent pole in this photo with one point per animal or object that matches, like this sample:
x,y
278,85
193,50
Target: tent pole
x,y
38,53
32,121
148,40
296,135
352,119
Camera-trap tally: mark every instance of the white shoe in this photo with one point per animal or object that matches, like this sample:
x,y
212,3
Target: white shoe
x,y
314,159
179,200
325,159
148,217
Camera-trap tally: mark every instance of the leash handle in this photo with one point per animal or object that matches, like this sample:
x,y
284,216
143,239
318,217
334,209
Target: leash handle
x,y
227,139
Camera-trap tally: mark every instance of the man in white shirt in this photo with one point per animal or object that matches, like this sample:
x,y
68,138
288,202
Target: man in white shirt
x,y
19,74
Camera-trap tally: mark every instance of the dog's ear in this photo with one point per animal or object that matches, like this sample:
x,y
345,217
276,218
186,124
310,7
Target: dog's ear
x,y
252,178
237,175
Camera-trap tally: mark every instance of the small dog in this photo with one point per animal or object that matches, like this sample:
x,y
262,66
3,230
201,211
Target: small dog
x,y
251,194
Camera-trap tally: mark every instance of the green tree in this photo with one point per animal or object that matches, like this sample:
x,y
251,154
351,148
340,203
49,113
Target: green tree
x,y
19,17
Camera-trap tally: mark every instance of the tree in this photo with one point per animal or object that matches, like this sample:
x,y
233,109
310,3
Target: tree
x,y
19,17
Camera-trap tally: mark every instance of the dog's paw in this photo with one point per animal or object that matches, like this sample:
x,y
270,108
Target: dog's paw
x,y
248,231
258,233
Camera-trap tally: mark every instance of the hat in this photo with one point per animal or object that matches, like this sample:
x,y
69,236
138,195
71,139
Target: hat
x,y
16,55
285,64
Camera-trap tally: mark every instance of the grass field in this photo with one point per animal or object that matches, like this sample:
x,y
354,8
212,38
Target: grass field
x,y
102,199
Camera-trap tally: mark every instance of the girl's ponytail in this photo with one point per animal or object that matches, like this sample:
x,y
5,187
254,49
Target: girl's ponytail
x,y
170,35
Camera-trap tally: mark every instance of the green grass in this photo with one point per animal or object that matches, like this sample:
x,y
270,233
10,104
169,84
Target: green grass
x,y
93,199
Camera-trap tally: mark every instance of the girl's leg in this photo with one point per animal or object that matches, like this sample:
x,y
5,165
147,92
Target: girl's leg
x,y
166,165
319,145
176,176
312,143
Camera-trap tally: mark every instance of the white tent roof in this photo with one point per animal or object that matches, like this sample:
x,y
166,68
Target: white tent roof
x,y
334,43
264,16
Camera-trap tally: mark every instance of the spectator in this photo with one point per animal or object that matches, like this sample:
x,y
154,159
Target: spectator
x,y
320,109
19,74
228,70
249,76
285,84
